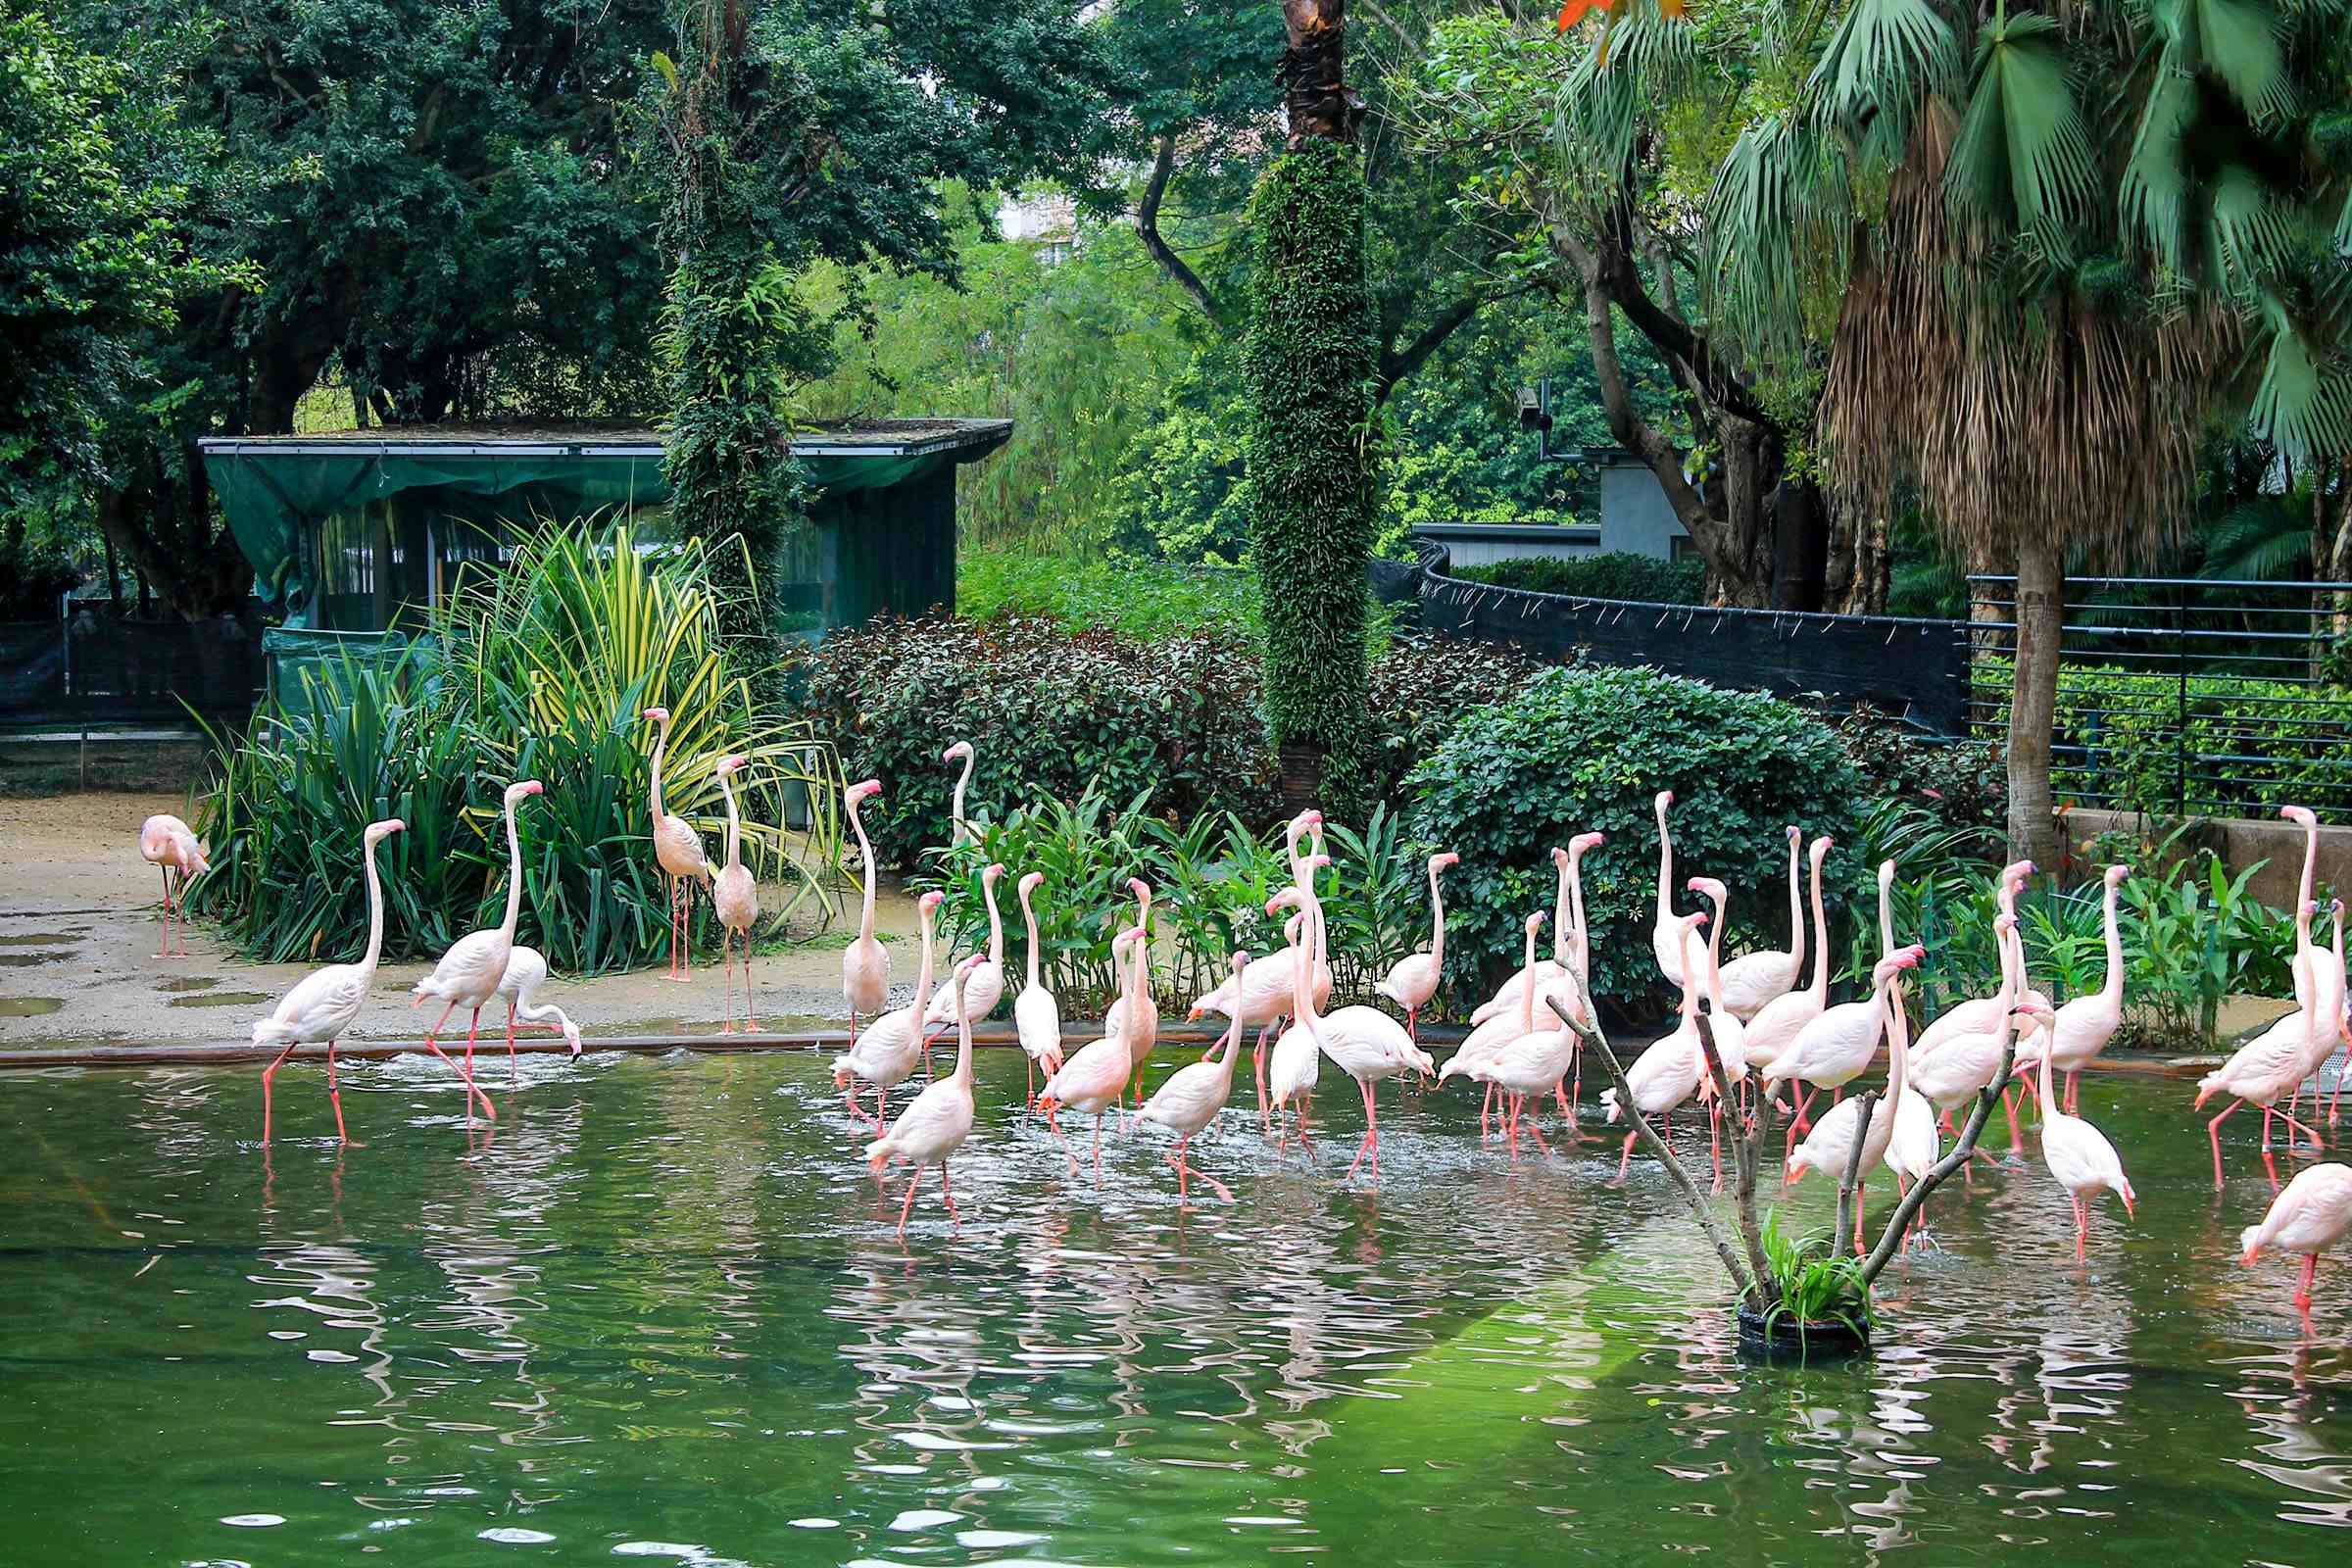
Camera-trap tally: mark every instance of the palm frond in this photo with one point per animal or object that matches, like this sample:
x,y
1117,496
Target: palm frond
x,y
2024,157
1883,59
2303,404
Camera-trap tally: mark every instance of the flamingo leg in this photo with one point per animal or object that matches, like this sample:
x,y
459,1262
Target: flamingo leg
x,y
334,1094
1264,1115
2008,1106
2311,1267
1715,1139
2074,1092
2081,1227
1484,1107
1099,1148
1625,1161
751,1014
2213,1130
905,1208
954,1217
268,1073
1030,1101
165,951
1537,1133
2293,1127
474,1031
1859,1249
433,1045
726,959
514,1072
1371,1134
1056,1128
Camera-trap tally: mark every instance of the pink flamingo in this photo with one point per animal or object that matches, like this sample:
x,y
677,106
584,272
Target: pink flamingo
x,y
678,848
167,841
985,987
959,831
1667,1073
1095,1078
2327,1010
2310,1217
1754,979
327,1002
1504,1002
1529,1068
936,1125
735,897
1830,1146
1036,1015
1968,1064
1665,936
1144,1008
865,963
1296,1065
2085,1024
469,973
1263,992
1191,1098
1975,1016
526,972
1369,1046
2264,1069
2078,1154
1777,1021
1837,1047
1413,979
892,1046
1476,1054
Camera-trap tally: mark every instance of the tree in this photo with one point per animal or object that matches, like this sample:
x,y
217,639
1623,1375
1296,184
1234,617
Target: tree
x,y
2058,247
92,264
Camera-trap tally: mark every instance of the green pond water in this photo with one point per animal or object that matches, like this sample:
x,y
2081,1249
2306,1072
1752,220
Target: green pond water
x,y
660,1313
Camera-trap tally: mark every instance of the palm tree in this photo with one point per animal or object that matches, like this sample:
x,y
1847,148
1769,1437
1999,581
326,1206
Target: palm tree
x,y
2039,306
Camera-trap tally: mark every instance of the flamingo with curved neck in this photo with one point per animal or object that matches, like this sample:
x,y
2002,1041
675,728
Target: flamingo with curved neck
x,y
1666,932
865,963
959,831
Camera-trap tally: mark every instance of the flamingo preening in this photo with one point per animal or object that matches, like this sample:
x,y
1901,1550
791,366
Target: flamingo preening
x,y
2310,1217
167,841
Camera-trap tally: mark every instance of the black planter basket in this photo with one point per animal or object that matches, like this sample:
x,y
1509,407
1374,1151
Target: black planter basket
x,y
1785,1339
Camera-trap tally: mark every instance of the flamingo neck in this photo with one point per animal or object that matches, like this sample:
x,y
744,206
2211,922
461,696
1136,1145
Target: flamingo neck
x,y
963,1046
962,834
1561,951
996,924
514,875
1527,987
1797,908
922,982
1029,920
727,787
1437,928
1899,1047
1665,867
1689,978
1581,944
660,746
1821,944
376,916
1715,961
1885,918
2113,989
1303,973
866,918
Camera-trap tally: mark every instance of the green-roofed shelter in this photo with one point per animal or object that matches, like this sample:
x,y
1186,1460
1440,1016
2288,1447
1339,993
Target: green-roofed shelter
x,y
355,530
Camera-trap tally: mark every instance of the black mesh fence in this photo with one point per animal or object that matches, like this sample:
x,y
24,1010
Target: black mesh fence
x,y
97,668
1916,670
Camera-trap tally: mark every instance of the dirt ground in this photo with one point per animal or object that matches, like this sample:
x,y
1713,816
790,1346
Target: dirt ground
x,y
80,928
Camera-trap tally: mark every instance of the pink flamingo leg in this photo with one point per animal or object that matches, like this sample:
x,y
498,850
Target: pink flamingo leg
x,y
1625,1161
1029,1102
2081,1227
514,1072
1371,1135
909,1204
268,1073
2311,1268
1484,1107
751,1014
1097,1149
2213,1130
1715,1139
1265,1116
954,1218
165,951
2074,1092
726,960
1056,1128
335,1094
1537,1133
433,1045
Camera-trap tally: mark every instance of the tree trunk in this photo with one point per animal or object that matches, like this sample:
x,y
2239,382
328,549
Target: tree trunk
x,y
2034,700
1800,545
1315,94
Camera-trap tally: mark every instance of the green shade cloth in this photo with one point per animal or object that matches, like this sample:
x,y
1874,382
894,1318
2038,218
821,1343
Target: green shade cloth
x,y
311,670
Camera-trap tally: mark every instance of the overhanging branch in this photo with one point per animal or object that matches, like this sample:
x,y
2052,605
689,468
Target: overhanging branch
x,y
1147,227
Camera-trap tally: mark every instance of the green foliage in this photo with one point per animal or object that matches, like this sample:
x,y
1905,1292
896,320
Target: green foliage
x,y
1585,749
541,671
1813,1285
1211,878
2281,738
1309,360
1619,574
1141,599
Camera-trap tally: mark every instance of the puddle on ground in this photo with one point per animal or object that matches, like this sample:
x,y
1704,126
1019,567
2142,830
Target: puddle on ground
x,y
25,960
33,939
28,1006
194,982
219,998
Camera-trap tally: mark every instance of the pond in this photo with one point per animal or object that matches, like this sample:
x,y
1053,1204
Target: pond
x,y
660,1313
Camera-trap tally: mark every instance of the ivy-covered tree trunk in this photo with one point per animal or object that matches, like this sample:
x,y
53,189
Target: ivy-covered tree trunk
x,y
1311,364
728,320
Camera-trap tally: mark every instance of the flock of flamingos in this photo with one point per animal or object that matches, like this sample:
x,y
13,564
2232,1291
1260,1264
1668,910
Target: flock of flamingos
x,y
1770,1034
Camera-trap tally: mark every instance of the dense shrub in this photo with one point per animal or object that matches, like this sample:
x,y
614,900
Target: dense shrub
x,y
1052,709
1587,749
1619,574
1961,784
2272,742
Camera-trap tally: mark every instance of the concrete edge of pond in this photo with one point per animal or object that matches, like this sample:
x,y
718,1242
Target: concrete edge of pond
x,y
134,1054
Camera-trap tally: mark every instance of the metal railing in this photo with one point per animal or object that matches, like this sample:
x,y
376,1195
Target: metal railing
x,y
2184,696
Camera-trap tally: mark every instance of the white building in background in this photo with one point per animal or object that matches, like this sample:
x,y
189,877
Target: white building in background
x,y
1046,222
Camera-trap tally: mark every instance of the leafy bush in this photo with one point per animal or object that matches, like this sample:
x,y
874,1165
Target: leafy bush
x,y
2276,742
542,670
1146,598
1619,574
1211,879
1585,749
1053,710
1960,784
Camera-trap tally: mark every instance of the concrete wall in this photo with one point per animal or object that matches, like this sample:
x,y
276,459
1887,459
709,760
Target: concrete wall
x,y
2239,842
1634,514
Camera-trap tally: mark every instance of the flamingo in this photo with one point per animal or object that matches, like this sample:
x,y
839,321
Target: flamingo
x,y
1912,1152
1667,1073
892,1046
1145,1008
2078,1154
1504,1002
1095,1078
1830,1146
864,965
2310,1217
2300,967
1754,979
1191,1098
1975,1016
1296,1064
678,850
1777,1023
2264,1068
2086,1023
1836,1048
2327,1008
1968,1064
1568,996
1485,1042
985,987
167,841
526,972
1531,1064
1368,1046
735,897
469,973
1036,1015
1665,940
959,831
1730,1032
324,1002
936,1125
1413,979
1263,992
